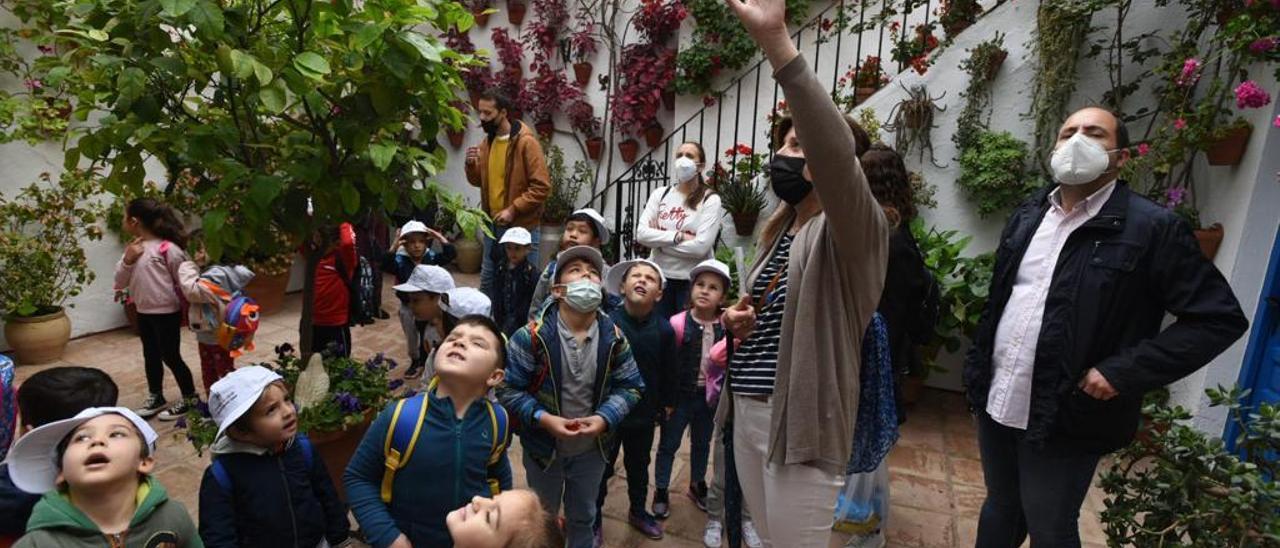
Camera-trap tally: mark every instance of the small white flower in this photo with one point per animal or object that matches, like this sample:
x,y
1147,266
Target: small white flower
x,y
358,5
310,209
174,35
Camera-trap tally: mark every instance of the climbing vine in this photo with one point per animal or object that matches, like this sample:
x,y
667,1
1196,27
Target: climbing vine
x,y
1061,28
719,44
982,64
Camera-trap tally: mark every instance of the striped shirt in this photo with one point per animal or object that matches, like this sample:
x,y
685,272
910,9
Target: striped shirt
x,y
752,369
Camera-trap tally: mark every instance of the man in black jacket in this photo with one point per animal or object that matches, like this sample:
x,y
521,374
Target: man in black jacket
x,y
1070,339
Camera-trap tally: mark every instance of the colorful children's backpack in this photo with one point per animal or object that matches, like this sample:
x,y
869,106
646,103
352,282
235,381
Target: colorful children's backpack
x,y
361,309
235,322
402,436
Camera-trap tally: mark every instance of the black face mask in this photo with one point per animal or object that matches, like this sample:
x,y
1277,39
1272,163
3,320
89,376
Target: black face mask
x,y
490,127
787,176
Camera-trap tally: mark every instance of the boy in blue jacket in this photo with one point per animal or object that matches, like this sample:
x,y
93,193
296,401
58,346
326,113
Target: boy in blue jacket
x,y
265,487
412,247
429,454
570,381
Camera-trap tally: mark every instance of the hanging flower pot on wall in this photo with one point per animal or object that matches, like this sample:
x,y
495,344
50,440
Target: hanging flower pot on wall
x,y
456,138
629,148
669,99
482,19
1228,148
744,223
516,11
1210,239
653,135
545,128
861,94
993,64
595,145
582,73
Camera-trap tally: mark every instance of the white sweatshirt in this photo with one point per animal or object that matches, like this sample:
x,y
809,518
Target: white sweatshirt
x,y
667,206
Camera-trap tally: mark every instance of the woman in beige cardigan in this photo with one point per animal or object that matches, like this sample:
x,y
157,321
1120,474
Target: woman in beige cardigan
x,y
815,283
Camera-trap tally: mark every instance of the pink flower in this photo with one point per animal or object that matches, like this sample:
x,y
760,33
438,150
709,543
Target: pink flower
x,y
1276,123
1250,95
1174,196
1144,149
1190,72
33,84
1263,45
1179,124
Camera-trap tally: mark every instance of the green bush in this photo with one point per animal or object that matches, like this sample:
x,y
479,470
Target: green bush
x,y
993,172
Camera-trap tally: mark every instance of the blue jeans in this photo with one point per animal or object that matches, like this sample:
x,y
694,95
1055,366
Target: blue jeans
x,y
576,481
692,411
1030,490
494,256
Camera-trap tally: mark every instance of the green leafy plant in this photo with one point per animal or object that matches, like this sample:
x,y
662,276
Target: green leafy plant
x,y
917,49
565,187
965,283
862,80
41,110
981,65
1175,486
922,191
957,15
43,229
357,390
993,172
739,193
1061,28
719,44
866,118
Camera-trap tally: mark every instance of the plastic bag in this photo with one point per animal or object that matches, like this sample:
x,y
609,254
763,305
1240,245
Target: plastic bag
x,y
8,405
862,507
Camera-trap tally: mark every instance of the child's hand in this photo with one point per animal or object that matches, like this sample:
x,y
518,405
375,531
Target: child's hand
x,y
201,258
438,236
559,427
133,251
590,427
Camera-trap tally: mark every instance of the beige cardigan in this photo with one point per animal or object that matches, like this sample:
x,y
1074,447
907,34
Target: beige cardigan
x,y
834,278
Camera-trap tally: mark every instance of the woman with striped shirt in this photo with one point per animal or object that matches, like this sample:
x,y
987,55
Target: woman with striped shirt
x,y
815,284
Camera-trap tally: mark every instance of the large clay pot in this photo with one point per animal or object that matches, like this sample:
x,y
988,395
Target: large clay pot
x,y
549,243
745,223
595,146
456,138
336,448
470,253
1210,240
1229,149
516,11
268,290
629,148
38,339
653,135
582,73
861,94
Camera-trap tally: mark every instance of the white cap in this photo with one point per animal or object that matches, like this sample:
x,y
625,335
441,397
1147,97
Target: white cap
x,y
598,220
427,277
711,265
33,461
413,227
618,272
587,252
233,395
465,301
516,235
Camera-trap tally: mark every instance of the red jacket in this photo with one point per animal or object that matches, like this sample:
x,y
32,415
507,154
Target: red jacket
x,y
332,297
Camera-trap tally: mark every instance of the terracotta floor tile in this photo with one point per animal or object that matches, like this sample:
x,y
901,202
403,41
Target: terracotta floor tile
x,y
912,527
966,471
921,435
919,462
921,493
962,444
966,531
967,500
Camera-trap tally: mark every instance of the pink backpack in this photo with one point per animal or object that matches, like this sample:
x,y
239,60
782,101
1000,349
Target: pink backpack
x,y
718,358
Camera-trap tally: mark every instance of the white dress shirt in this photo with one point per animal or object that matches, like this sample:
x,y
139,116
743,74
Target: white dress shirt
x,y
1017,335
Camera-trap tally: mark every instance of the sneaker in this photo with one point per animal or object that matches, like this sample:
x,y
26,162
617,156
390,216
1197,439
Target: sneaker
x,y
749,535
414,371
175,412
698,494
645,523
154,404
661,504
712,534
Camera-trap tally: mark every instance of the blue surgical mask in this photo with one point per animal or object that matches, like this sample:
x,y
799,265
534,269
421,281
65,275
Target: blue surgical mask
x,y
583,295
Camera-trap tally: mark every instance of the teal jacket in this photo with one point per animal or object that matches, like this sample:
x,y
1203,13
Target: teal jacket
x,y
158,522
531,355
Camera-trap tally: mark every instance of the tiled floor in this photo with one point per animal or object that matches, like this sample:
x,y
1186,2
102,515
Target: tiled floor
x,y
936,477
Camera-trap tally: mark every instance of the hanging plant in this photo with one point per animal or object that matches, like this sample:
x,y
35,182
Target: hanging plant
x,y
477,79
912,121
511,54
915,51
583,120
983,61
550,19
583,44
957,15
1061,28
860,83
644,72
544,95
720,43
658,20
993,172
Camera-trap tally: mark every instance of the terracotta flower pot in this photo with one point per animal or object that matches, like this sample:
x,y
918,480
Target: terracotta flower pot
x,y
456,138
669,99
336,448
993,64
629,148
582,73
1228,149
482,19
862,93
745,223
1210,239
595,146
470,253
653,135
545,128
914,116
516,11
38,339
268,290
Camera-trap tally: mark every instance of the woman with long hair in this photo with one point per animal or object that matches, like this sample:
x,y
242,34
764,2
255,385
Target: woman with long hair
x,y
811,292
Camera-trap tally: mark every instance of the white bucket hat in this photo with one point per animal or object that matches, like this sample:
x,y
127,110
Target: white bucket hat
x,y
427,277
587,252
596,218
516,235
413,227
618,272
465,301
712,265
234,395
33,462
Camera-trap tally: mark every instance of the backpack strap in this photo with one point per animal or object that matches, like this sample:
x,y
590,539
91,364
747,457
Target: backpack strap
x,y
402,436
498,419
677,324
304,444
220,475
539,376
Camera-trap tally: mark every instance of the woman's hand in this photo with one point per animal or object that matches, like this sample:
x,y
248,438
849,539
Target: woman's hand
x,y
740,319
766,22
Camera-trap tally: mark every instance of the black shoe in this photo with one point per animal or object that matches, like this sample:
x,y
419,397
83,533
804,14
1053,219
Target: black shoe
x,y
155,403
175,412
698,494
661,504
382,314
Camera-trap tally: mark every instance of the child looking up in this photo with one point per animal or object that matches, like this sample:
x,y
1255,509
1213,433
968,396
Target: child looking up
x,y
422,292
95,472
266,486
511,519
149,270
411,248
584,227
431,453
514,281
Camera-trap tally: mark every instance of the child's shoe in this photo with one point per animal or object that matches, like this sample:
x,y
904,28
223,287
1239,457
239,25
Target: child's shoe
x,y
698,494
155,403
712,535
176,411
661,504
749,535
645,523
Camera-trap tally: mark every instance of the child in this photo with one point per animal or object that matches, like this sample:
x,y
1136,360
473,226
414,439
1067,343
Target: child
x,y
566,413
455,304
447,445
696,331
50,395
411,248
514,281
330,311
214,288
149,270
585,227
422,293
510,519
265,487
640,283
95,472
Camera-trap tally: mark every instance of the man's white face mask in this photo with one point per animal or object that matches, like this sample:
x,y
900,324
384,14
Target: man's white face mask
x,y
1079,161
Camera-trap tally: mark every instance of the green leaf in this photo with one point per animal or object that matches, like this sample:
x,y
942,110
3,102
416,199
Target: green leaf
x,y
214,220
57,75
262,72
98,35
381,155
130,84
71,159
350,198
177,8
242,64
275,97
207,17
264,190
366,36
422,45
311,65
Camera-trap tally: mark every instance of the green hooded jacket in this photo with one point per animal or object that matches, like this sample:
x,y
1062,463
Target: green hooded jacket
x,y
158,523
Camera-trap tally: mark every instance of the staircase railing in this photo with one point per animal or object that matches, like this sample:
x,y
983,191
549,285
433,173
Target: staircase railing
x,y
826,50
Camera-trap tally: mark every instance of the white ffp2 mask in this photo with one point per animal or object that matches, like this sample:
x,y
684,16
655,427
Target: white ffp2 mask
x,y
685,169
1079,160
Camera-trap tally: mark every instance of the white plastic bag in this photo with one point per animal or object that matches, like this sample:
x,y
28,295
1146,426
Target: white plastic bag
x,y
862,507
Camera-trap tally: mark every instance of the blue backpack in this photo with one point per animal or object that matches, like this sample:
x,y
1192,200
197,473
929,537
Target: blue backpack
x,y
221,476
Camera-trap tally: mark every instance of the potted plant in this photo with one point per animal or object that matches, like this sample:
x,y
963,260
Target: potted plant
x,y
861,82
544,94
466,223
511,53
1226,145
1180,199
515,11
915,51
584,44
653,134
658,20
643,73
957,15
741,197
334,419
583,120
42,262
480,9
912,120
993,172
563,199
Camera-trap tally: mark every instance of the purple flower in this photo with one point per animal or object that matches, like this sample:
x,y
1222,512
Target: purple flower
x,y
394,384
203,408
1263,45
47,50
1250,95
1190,72
181,422
349,373
347,402
1174,196
33,84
